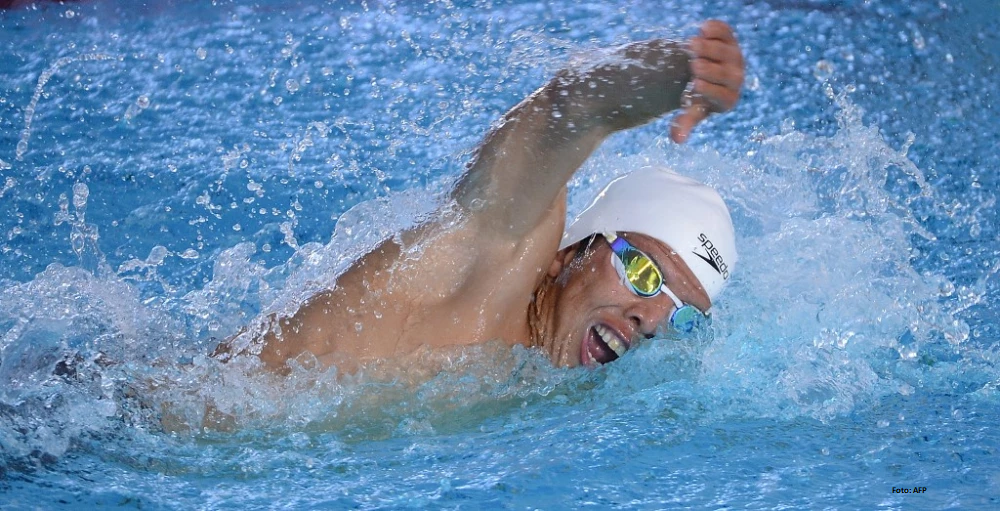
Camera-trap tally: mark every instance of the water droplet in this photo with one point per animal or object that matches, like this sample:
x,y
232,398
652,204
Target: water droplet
x,y
201,53
975,230
157,255
70,13
358,327
142,101
277,100
823,70
292,85
946,288
189,254
237,228
80,195
787,126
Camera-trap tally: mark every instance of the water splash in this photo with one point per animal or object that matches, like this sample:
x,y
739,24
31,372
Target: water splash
x,y
827,302
43,79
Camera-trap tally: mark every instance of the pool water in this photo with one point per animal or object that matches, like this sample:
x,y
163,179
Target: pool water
x,y
171,172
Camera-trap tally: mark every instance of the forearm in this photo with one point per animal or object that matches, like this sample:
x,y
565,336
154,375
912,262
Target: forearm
x,y
525,161
521,165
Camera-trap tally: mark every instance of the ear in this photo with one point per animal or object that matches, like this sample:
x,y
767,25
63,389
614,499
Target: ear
x,y
562,259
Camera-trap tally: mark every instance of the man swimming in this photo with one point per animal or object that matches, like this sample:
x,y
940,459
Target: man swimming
x,y
654,248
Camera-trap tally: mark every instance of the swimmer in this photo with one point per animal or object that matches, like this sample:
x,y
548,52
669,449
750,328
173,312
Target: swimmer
x,y
654,249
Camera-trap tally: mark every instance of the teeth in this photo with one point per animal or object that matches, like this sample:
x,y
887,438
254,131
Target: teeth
x,y
611,340
593,361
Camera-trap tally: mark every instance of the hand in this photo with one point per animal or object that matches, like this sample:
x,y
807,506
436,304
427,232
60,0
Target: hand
x,y
717,75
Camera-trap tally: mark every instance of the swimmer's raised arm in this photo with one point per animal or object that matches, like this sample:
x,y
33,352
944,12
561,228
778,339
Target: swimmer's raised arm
x,y
525,162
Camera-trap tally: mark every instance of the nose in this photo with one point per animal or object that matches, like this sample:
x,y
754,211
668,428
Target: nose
x,y
648,313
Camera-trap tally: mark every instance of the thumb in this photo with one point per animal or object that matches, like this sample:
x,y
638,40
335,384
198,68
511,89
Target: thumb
x,y
681,128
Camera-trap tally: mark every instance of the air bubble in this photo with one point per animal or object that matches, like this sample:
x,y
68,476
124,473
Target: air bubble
x,y
201,53
142,101
292,85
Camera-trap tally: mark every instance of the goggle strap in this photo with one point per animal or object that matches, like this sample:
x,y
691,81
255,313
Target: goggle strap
x,y
618,245
620,268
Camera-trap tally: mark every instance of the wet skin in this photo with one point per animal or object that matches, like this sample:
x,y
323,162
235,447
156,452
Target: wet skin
x,y
596,316
491,269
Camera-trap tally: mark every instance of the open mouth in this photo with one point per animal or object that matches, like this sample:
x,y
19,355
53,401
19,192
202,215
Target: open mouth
x,y
603,345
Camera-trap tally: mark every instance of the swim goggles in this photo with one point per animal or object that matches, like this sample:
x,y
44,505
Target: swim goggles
x,y
639,273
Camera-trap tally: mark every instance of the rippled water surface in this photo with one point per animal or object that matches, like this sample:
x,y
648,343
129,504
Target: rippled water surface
x,y
173,171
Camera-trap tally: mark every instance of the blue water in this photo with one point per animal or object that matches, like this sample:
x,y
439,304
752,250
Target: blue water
x,y
174,171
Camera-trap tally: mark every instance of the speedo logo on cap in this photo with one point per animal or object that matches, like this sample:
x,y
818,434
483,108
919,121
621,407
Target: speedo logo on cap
x,y
712,256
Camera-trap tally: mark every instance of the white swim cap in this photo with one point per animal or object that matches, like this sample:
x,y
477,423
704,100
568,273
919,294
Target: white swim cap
x,y
687,215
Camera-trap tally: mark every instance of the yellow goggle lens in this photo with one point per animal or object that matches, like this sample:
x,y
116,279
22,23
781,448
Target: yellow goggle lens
x,y
641,272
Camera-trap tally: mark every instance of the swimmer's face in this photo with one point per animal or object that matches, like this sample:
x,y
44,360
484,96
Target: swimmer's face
x,y
597,318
